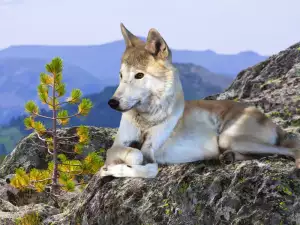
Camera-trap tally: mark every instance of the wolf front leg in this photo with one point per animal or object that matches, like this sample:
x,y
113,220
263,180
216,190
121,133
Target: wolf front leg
x,y
156,136
127,133
123,170
120,152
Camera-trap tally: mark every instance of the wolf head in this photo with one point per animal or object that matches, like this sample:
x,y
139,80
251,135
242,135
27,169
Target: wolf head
x,y
145,73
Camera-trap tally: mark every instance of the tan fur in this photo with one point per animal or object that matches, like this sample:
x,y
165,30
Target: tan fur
x,y
172,130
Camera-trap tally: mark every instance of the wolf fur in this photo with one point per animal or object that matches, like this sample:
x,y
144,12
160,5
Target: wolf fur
x,y
171,130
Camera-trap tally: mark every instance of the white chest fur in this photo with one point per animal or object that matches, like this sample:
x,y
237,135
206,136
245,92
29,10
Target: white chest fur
x,y
194,138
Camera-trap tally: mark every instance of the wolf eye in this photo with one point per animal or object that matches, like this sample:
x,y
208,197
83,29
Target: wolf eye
x,y
139,76
120,75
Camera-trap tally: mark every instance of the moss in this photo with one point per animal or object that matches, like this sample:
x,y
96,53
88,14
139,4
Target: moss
x,y
282,205
183,187
167,212
166,205
287,113
284,189
296,98
270,81
288,185
295,123
198,209
242,180
236,99
275,114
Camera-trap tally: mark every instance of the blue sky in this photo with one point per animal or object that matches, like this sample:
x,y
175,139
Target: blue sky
x,y
225,26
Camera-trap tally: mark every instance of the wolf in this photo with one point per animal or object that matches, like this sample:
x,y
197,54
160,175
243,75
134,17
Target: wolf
x,y
158,126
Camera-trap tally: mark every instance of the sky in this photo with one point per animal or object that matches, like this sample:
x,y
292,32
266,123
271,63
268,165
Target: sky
x,y
224,26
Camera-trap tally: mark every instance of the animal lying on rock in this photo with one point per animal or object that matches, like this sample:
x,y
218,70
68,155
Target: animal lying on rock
x,y
172,130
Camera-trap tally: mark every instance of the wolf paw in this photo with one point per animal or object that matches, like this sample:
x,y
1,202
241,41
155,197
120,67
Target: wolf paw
x,y
227,157
103,171
152,170
133,157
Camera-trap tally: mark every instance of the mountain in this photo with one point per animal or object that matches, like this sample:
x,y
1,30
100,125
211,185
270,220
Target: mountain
x,y
19,78
103,61
197,83
2,150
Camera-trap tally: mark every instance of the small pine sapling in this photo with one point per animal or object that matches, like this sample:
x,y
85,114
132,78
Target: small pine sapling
x,y
61,171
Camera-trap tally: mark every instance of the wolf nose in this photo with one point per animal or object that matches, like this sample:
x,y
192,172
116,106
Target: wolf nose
x,y
113,103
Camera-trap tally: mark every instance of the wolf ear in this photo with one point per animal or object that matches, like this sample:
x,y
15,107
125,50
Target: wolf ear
x,y
130,39
157,46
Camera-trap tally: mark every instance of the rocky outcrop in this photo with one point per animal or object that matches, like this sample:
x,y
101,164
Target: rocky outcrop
x,y
9,213
29,153
263,191
15,203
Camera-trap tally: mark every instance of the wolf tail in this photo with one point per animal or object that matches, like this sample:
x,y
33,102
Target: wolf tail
x,y
289,141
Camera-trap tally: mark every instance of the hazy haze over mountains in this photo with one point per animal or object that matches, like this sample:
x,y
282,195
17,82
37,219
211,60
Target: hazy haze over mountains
x,y
103,61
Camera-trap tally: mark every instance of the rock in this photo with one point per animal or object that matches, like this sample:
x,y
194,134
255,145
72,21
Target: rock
x,y
9,217
264,191
6,206
15,203
7,192
29,153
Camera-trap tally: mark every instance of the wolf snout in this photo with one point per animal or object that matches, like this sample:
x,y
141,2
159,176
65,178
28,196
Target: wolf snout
x,y
114,103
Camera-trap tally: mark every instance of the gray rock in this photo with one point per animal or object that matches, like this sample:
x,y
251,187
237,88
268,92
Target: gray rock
x,y
29,153
264,191
9,217
6,206
7,192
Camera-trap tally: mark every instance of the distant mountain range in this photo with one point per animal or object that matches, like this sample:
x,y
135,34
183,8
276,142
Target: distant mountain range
x,y
103,61
19,78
